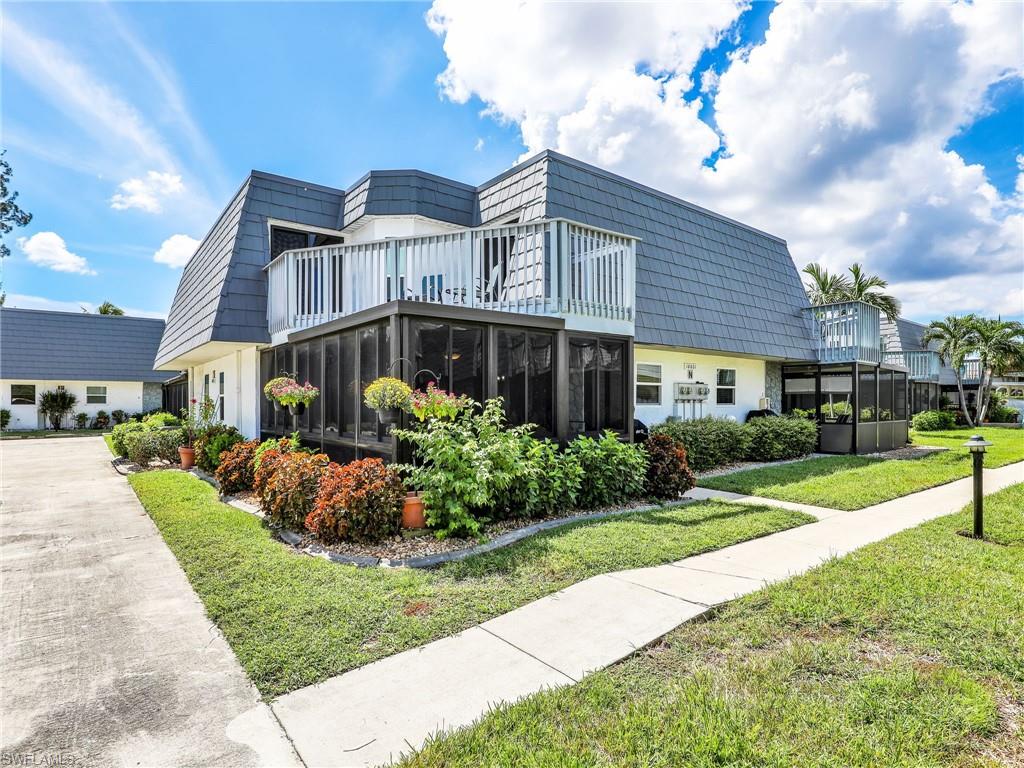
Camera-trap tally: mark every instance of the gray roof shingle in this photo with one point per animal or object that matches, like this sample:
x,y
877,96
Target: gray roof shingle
x,y
75,346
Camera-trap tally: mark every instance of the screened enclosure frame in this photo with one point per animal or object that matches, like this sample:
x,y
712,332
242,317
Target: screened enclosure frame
x,y
403,323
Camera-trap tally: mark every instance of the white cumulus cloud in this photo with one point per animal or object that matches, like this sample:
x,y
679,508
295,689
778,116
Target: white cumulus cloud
x,y
833,132
147,193
48,249
176,250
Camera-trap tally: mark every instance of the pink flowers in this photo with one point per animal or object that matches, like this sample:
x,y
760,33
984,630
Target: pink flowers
x,y
436,403
288,391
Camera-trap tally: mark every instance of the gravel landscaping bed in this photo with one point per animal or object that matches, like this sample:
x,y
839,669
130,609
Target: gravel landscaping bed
x,y
421,549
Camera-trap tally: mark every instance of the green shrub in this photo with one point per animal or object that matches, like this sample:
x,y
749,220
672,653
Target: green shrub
x,y
613,472
101,420
5,418
282,445
119,416
467,466
774,438
360,501
290,486
668,474
1002,414
145,445
160,419
120,432
549,484
709,442
81,420
212,442
933,421
55,404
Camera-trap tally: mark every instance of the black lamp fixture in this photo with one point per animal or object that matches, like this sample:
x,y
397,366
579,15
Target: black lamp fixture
x,y
977,445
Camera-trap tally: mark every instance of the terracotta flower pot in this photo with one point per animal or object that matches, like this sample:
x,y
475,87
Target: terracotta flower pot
x,y
188,457
412,512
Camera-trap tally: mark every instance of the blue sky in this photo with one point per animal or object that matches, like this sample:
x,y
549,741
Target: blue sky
x,y
184,99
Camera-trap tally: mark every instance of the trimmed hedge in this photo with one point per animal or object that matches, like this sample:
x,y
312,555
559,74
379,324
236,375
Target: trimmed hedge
x,y
774,438
709,442
933,421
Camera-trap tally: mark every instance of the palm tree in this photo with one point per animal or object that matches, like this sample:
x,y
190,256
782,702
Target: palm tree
x,y
956,338
56,404
999,344
827,287
107,308
867,288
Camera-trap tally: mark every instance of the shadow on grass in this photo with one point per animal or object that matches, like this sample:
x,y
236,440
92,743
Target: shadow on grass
x,y
748,480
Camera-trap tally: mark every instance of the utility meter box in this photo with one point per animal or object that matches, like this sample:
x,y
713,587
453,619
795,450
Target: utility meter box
x,y
691,392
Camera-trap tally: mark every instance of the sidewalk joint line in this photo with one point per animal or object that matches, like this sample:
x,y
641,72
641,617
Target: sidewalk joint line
x,y
536,658
660,592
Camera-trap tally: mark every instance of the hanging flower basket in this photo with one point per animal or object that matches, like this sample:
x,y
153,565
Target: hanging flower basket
x,y
438,404
287,392
389,397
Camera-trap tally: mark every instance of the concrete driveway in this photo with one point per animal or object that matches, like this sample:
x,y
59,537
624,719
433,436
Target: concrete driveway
x,y
108,657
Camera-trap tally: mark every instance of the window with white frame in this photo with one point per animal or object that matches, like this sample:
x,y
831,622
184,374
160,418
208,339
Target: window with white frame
x,y
220,397
648,384
725,386
96,394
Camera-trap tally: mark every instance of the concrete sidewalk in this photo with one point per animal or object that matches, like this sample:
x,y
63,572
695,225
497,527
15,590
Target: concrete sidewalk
x,y
109,658
377,712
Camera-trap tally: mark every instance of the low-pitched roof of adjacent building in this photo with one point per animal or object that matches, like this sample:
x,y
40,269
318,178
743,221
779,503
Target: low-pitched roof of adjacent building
x,y
75,346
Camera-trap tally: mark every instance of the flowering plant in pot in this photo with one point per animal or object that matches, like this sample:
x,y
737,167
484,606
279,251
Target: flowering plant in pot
x,y
195,420
437,403
270,386
388,396
288,392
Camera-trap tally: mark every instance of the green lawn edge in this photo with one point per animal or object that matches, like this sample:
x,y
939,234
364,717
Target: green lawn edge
x,y
907,652
855,482
293,620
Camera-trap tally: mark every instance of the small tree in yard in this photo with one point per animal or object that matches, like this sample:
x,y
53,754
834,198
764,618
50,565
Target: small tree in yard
x,y
956,338
55,404
999,345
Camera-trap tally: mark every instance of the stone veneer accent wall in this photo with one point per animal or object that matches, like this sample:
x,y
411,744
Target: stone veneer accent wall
x,y
152,395
773,385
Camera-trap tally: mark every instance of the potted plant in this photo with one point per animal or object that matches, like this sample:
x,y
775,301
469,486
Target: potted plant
x,y
295,396
437,403
195,419
268,390
388,397
412,511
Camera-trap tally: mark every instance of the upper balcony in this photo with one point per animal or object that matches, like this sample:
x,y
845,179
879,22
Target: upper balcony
x,y
848,332
553,267
921,365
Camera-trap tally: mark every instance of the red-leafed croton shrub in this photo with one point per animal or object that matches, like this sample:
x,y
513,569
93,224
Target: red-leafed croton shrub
x,y
235,472
361,501
288,484
668,474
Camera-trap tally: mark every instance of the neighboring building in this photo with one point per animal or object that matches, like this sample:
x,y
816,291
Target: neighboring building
x,y
581,297
106,361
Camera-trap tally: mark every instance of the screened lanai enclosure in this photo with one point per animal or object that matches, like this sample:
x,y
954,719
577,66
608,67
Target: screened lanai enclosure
x,y
565,382
861,396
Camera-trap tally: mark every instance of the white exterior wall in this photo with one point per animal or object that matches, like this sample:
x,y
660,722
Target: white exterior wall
x,y
382,227
241,371
121,395
750,383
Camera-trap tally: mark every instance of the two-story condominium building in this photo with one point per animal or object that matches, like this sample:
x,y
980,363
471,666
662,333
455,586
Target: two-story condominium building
x,y
584,299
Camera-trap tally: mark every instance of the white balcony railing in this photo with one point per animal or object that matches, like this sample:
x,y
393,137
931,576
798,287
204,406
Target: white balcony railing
x,y
552,267
848,332
970,371
921,365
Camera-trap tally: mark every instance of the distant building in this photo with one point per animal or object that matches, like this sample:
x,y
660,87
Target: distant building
x,y
106,361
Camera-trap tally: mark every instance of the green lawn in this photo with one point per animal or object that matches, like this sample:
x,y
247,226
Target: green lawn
x,y
854,482
109,440
909,652
23,434
293,620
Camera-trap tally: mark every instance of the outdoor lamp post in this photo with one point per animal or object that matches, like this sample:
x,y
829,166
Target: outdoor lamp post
x,y
977,445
